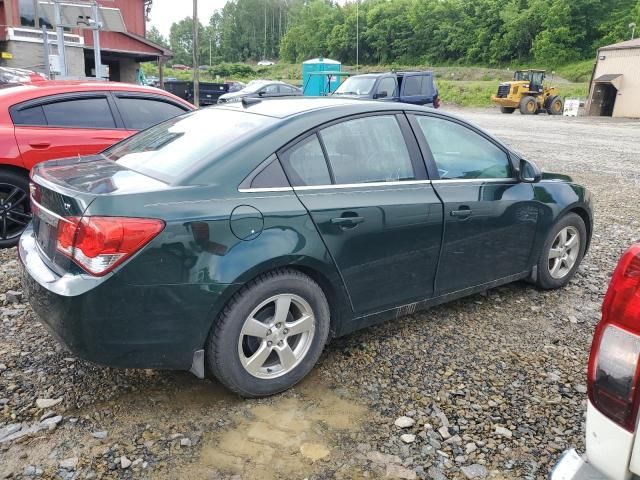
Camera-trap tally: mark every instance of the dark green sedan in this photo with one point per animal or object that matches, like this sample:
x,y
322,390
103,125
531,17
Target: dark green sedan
x,y
236,240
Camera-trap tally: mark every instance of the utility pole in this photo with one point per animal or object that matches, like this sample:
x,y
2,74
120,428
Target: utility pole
x,y
60,35
357,35
196,69
264,48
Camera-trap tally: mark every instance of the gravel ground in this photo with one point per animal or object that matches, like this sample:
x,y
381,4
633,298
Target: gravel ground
x,y
491,386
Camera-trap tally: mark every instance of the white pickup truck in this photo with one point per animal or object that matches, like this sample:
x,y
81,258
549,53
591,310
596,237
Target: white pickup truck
x,y
613,385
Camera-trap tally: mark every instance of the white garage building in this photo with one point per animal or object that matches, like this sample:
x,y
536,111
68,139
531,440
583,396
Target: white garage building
x,y
615,85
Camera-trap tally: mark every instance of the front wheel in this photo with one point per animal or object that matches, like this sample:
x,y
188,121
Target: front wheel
x,y
562,252
528,105
15,210
507,109
270,335
555,106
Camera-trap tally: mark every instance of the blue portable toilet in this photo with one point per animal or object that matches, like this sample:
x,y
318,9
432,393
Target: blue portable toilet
x,y
316,76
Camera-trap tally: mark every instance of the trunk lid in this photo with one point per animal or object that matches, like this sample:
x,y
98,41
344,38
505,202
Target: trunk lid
x,y
63,189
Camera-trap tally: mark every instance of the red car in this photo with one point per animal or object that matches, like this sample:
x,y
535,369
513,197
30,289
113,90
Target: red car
x,y
54,119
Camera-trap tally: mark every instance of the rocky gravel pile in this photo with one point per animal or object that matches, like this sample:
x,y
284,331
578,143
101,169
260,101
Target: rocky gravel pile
x,y
491,386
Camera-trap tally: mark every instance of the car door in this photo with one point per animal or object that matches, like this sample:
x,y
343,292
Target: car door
x,y
489,216
364,184
141,111
386,89
65,126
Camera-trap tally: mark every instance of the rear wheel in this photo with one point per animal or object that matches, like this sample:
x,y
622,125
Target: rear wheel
x,y
270,335
555,106
15,210
507,109
562,252
528,105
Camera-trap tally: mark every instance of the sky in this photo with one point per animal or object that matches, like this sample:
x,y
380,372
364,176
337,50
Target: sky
x,y
165,12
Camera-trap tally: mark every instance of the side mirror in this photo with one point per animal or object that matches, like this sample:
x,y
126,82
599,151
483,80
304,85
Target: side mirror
x,y
261,93
380,95
529,172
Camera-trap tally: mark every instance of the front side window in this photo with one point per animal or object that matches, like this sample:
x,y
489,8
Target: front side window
x,y
305,163
270,89
141,113
369,149
387,87
461,153
174,147
80,113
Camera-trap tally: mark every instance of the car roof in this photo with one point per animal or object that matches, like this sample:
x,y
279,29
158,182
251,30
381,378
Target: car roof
x,y
11,95
293,106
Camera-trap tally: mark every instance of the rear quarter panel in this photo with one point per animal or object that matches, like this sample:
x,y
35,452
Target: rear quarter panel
x,y
198,262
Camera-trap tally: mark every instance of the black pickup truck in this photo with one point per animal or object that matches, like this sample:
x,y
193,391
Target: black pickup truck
x,y
418,88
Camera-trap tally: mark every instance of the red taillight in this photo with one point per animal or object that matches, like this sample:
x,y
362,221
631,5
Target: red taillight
x,y
614,371
99,244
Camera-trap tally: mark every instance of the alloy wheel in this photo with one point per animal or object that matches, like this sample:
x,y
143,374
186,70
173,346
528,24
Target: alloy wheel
x,y
564,252
276,336
15,213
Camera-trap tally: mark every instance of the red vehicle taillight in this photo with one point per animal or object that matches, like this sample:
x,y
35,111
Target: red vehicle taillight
x,y
99,244
613,376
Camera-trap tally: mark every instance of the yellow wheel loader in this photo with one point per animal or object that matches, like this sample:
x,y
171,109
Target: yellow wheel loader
x,y
528,93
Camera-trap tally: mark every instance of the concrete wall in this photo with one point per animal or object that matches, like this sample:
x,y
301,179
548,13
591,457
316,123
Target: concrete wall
x,y
128,68
30,55
625,62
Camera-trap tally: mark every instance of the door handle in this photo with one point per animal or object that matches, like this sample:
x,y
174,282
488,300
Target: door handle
x,y
39,145
462,212
347,221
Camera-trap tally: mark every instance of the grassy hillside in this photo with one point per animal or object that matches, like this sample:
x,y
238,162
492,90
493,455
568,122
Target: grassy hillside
x,y
464,86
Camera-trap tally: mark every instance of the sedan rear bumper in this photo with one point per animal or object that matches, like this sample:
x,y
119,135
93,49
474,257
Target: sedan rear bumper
x,y
112,323
572,466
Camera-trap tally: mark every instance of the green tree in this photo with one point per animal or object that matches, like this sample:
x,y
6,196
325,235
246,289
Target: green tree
x,y
154,35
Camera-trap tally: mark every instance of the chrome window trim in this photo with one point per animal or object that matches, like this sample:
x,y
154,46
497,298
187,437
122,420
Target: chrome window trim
x,y
362,185
375,184
265,189
484,180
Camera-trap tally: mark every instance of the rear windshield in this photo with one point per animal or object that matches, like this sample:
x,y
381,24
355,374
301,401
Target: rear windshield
x,y
170,149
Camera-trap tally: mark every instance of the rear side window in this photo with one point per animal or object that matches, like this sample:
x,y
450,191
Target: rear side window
x,y
305,163
370,149
79,113
412,85
141,113
29,116
270,177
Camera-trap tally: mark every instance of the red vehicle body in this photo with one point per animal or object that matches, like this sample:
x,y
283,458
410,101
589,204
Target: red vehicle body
x,y
46,120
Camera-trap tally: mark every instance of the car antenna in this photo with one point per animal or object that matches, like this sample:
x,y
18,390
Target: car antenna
x,y
248,101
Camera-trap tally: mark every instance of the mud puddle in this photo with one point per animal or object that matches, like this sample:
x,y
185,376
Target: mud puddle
x,y
290,436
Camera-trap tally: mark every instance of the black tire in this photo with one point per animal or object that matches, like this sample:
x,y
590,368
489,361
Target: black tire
x,y
507,109
528,105
555,105
222,349
14,189
544,278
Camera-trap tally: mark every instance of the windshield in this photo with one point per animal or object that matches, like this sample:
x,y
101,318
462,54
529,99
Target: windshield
x,y
173,147
521,75
356,86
